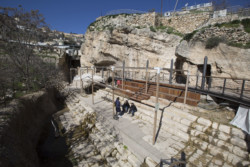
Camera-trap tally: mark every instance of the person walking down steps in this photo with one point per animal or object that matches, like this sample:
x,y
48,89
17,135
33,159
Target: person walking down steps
x,y
118,107
133,109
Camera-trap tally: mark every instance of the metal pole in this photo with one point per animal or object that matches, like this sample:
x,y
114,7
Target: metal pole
x,y
87,70
102,73
161,7
92,85
242,89
146,91
209,83
113,96
197,79
70,76
81,80
183,159
171,71
186,88
224,85
123,70
204,73
156,106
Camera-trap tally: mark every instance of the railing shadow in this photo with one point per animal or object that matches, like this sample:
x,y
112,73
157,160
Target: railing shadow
x,y
160,123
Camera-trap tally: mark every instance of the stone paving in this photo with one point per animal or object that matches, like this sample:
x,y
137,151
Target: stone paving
x,y
93,142
128,141
205,143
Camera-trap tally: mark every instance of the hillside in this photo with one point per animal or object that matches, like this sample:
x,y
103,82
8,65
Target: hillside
x,y
138,37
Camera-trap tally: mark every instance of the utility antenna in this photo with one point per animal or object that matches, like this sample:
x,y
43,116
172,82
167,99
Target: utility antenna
x,y
175,6
161,7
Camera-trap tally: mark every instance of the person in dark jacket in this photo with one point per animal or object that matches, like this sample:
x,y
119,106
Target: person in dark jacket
x,y
125,106
133,109
118,106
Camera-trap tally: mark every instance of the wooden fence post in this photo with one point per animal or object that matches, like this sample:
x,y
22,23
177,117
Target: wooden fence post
x,y
146,91
123,70
186,88
113,96
81,80
93,85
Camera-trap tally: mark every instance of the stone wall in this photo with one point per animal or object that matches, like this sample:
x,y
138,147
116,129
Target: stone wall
x,y
133,20
227,18
235,35
186,23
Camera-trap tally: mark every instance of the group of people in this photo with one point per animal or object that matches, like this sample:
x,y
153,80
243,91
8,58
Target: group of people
x,y
126,108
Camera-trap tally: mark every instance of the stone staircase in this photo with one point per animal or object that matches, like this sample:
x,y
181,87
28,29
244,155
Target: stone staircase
x,y
92,140
205,143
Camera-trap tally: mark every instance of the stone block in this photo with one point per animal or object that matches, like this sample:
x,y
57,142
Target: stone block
x,y
120,149
225,129
238,151
204,122
215,151
186,122
182,135
182,127
239,133
215,125
114,153
133,160
217,161
150,162
224,136
227,165
234,159
212,165
245,163
224,145
239,142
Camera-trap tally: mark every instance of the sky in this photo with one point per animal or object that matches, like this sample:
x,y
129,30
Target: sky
x,y
74,16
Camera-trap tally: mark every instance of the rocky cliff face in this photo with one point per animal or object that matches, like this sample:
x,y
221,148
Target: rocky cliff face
x,y
110,40
225,61
134,46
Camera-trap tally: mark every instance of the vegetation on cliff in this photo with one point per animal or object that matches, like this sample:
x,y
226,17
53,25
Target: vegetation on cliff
x,y
235,33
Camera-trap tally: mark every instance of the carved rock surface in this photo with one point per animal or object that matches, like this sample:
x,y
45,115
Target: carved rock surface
x,y
134,46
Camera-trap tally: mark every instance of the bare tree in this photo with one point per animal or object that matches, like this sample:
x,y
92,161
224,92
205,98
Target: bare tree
x,y
21,33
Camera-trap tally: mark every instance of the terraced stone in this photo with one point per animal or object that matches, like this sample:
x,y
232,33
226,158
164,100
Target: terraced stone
x,y
225,128
239,142
238,151
239,133
204,122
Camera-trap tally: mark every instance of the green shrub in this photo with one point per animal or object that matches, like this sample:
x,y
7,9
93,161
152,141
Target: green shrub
x,y
232,24
170,30
239,45
189,36
152,29
161,27
178,33
235,22
213,42
246,24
